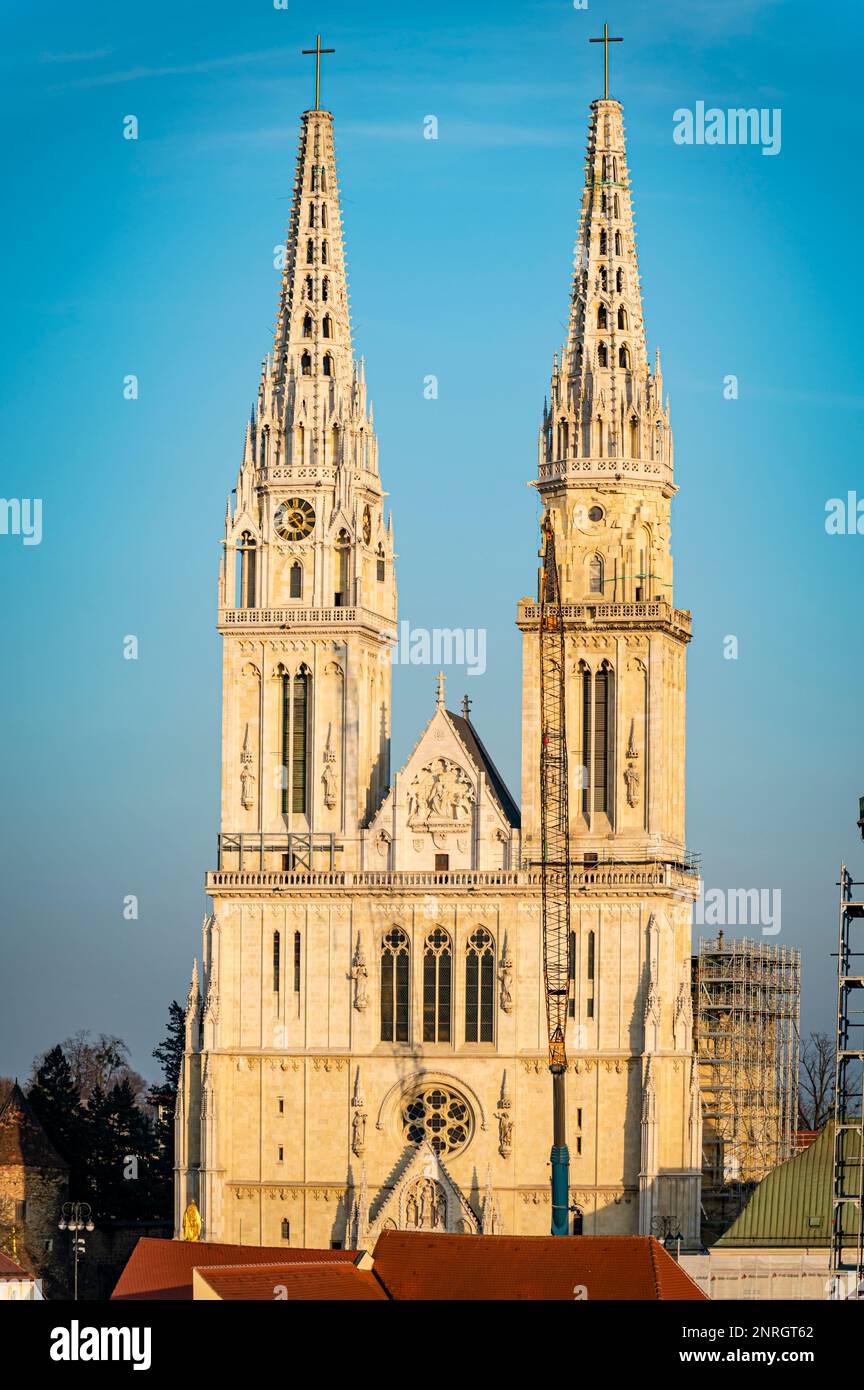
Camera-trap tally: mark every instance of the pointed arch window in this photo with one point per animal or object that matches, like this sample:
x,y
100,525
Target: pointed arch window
x,y
286,1228
623,357
614,168
602,316
622,316
323,253
296,580
380,565
296,709
248,570
277,951
619,245
327,365
300,438
437,986
310,252
315,178
307,325
310,287
597,734
325,289
296,962
595,575
323,214
616,207
563,434
658,440
305,365
395,971
619,280
343,559
602,357
327,326
334,445
311,214
603,243
604,278
634,437
480,987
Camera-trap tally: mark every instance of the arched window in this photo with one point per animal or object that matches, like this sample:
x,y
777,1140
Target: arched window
x,y
623,357
343,556
248,571
311,214
334,445
296,707
380,564
323,214
592,946
602,355
602,733
327,326
605,166
277,950
614,169
323,179
306,365
286,1228
310,252
315,178
602,317
395,962
307,325
297,962
595,575
604,279
658,440
325,289
622,316
577,1221
599,440
619,245
619,280
327,365
310,287
634,437
562,439
300,439
479,987
616,209
437,986
586,739
603,243
323,253
296,580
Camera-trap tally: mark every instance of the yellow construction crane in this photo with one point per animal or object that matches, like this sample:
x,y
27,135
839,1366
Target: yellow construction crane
x,y
555,864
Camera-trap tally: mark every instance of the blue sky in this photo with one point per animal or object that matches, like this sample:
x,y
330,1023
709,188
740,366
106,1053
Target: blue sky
x,y
155,257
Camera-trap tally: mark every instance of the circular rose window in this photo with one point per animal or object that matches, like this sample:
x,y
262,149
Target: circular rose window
x,y
439,1114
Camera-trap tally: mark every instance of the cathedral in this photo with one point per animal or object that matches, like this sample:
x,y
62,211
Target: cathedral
x,y
366,1042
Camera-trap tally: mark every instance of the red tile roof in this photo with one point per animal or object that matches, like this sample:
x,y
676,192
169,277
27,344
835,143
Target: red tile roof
x,y
9,1269
412,1265
162,1269
327,1280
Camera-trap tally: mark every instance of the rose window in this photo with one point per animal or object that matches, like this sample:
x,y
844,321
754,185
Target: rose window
x,y
438,1114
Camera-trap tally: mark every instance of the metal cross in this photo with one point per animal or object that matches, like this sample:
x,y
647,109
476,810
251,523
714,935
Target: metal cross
x,y
318,50
606,42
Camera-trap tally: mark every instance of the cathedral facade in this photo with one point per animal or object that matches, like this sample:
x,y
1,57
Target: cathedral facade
x,y
366,1036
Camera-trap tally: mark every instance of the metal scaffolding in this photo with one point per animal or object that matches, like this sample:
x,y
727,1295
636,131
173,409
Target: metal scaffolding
x,y
746,1009
847,1197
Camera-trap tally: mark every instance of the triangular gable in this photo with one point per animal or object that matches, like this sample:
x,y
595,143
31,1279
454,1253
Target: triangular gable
x,y
424,1197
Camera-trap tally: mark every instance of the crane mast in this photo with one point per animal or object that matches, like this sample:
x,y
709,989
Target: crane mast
x,y
555,865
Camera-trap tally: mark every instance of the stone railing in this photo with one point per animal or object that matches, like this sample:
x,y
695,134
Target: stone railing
x,y
643,875
301,617
639,470
652,611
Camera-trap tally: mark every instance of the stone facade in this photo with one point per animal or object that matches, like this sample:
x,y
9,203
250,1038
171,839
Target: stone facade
x,y
366,1043
34,1180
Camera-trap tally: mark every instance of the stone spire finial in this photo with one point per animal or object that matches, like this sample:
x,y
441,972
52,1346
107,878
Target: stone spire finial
x,y
439,692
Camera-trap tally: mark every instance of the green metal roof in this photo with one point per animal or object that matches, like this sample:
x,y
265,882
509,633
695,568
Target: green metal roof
x,y
792,1204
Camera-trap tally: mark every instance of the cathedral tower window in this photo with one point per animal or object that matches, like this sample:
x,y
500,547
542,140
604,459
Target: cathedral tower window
x,y
311,214
277,949
296,580
310,252
437,986
619,280
380,565
480,987
323,214
602,316
296,962
619,245
286,1228
602,734
327,365
395,963
616,208
307,326
248,571
595,575
310,287
586,739
343,558
325,289
634,438
306,365
327,326
623,357
622,317
295,741
604,278
602,359
323,253
603,243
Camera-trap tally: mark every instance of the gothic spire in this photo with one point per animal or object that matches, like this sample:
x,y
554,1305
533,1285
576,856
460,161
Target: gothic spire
x,y
605,403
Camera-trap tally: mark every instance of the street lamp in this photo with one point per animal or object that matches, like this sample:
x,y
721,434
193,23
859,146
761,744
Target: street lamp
x,y
668,1229
75,1217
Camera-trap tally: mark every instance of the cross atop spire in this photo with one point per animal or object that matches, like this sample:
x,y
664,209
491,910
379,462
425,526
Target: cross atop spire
x,y
318,50
605,40
439,691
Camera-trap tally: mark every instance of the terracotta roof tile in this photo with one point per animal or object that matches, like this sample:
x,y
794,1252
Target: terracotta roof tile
x,y
327,1280
411,1265
9,1269
162,1269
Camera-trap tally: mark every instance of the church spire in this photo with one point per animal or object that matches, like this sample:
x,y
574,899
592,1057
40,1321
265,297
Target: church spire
x,y
605,403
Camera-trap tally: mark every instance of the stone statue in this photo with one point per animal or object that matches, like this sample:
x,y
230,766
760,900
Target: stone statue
x,y
631,779
358,1132
360,976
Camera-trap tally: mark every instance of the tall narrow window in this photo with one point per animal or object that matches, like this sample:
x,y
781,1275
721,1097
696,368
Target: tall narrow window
x,y
623,358
327,365
619,246
310,287
296,589
286,1228
325,289
479,987
602,357
310,252
395,960
622,316
602,724
323,214
634,437
340,598
437,974
311,214
296,962
323,253
571,971
601,316
277,949
327,326
306,365
619,280
603,243
586,741
307,325
592,940
595,575
295,741
380,565
248,570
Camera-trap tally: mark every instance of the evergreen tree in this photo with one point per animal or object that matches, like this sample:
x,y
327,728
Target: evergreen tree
x,y
163,1097
54,1098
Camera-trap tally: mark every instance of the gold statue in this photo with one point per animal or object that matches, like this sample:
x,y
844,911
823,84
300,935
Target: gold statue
x,y
192,1222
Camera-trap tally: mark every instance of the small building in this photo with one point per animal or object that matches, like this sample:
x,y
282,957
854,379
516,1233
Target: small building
x,y
17,1284
34,1180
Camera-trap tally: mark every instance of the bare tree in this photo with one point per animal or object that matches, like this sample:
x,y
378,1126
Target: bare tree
x,y
100,1062
816,1083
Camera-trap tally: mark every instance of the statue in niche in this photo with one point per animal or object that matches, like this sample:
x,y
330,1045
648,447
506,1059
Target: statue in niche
x,y
328,776
247,777
360,976
358,1132
631,781
506,976
505,1133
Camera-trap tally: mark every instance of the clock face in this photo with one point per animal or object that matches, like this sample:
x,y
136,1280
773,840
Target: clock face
x,y
367,525
294,519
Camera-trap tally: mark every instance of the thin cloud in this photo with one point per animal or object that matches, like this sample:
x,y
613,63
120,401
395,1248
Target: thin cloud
x,y
88,57
141,74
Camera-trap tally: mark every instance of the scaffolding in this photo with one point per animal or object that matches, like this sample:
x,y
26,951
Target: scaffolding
x,y
847,1196
745,1037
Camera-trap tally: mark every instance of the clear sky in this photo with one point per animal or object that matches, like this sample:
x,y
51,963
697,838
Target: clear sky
x,y
155,257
